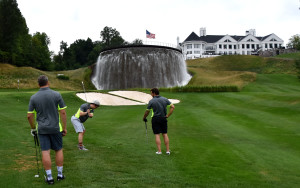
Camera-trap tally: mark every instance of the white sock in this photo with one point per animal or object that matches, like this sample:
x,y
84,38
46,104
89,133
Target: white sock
x,y
59,171
49,174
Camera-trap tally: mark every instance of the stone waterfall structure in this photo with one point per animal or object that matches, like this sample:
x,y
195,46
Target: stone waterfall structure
x,y
140,67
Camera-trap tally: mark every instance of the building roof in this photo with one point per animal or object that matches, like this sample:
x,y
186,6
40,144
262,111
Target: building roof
x,y
193,36
214,38
263,38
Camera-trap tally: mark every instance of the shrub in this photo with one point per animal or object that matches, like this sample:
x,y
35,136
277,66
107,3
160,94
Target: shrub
x,y
62,77
202,89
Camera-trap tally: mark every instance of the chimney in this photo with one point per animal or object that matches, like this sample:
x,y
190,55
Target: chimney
x,y
251,32
202,31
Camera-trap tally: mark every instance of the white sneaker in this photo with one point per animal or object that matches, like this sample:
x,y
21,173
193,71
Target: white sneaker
x,y
168,152
158,153
83,148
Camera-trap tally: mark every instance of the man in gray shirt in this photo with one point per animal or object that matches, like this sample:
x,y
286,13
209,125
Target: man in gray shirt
x,y
83,113
48,108
158,106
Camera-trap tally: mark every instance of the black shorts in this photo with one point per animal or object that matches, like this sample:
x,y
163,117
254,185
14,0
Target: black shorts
x,y
159,125
51,141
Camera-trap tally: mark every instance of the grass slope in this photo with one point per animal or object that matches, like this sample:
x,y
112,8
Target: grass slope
x,y
230,70
244,139
236,70
9,76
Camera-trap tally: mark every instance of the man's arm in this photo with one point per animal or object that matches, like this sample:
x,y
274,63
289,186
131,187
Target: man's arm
x,y
30,117
146,114
63,116
172,107
84,113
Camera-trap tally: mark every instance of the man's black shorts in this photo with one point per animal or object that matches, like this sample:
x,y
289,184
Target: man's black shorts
x,y
51,141
159,125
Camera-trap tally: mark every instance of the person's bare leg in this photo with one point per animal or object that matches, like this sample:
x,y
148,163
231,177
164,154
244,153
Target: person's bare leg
x,y
59,157
158,142
46,159
166,140
80,138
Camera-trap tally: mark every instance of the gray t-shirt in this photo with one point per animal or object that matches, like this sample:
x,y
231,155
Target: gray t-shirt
x,y
84,108
46,104
159,106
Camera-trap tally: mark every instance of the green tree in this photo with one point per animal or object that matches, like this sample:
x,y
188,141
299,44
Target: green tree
x,y
14,37
80,50
137,42
111,37
294,42
93,56
75,56
40,51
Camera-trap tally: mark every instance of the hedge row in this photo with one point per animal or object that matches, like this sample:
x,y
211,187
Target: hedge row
x,y
202,89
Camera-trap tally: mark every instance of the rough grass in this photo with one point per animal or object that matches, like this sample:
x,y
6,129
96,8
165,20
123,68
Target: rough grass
x,y
27,76
289,56
238,70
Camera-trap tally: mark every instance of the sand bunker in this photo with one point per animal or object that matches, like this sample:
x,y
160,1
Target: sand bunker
x,y
120,98
138,96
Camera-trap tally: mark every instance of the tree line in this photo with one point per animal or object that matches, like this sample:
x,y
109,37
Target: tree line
x,y
18,47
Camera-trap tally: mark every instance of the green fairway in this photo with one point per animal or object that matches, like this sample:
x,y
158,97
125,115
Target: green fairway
x,y
240,139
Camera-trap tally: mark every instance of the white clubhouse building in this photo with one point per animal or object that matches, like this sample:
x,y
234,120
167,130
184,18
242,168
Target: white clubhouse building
x,y
195,46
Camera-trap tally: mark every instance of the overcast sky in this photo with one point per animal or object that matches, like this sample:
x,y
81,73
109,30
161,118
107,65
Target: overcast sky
x,y
69,20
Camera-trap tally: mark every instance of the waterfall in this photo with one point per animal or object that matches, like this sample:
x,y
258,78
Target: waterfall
x,y
140,67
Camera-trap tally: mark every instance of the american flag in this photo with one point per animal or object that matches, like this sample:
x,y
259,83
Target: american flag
x,y
150,35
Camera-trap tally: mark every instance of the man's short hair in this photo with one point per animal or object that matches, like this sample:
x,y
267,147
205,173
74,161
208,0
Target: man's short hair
x,y
155,91
42,80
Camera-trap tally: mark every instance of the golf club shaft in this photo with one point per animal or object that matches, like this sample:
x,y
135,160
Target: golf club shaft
x,y
146,132
84,90
41,157
36,154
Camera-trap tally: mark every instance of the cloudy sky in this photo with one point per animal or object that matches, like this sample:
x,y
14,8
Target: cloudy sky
x,y
69,20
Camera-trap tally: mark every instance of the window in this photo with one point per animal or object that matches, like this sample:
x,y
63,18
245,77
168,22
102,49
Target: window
x,y
227,40
234,46
196,52
225,46
243,46
253,46
271,45
250,40
220,46
276,46
257,46
273,39
266,45
189,46
248,46
230,46
189,52
196,45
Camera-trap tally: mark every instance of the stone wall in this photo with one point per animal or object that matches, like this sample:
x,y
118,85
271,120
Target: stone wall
x,y
274,52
